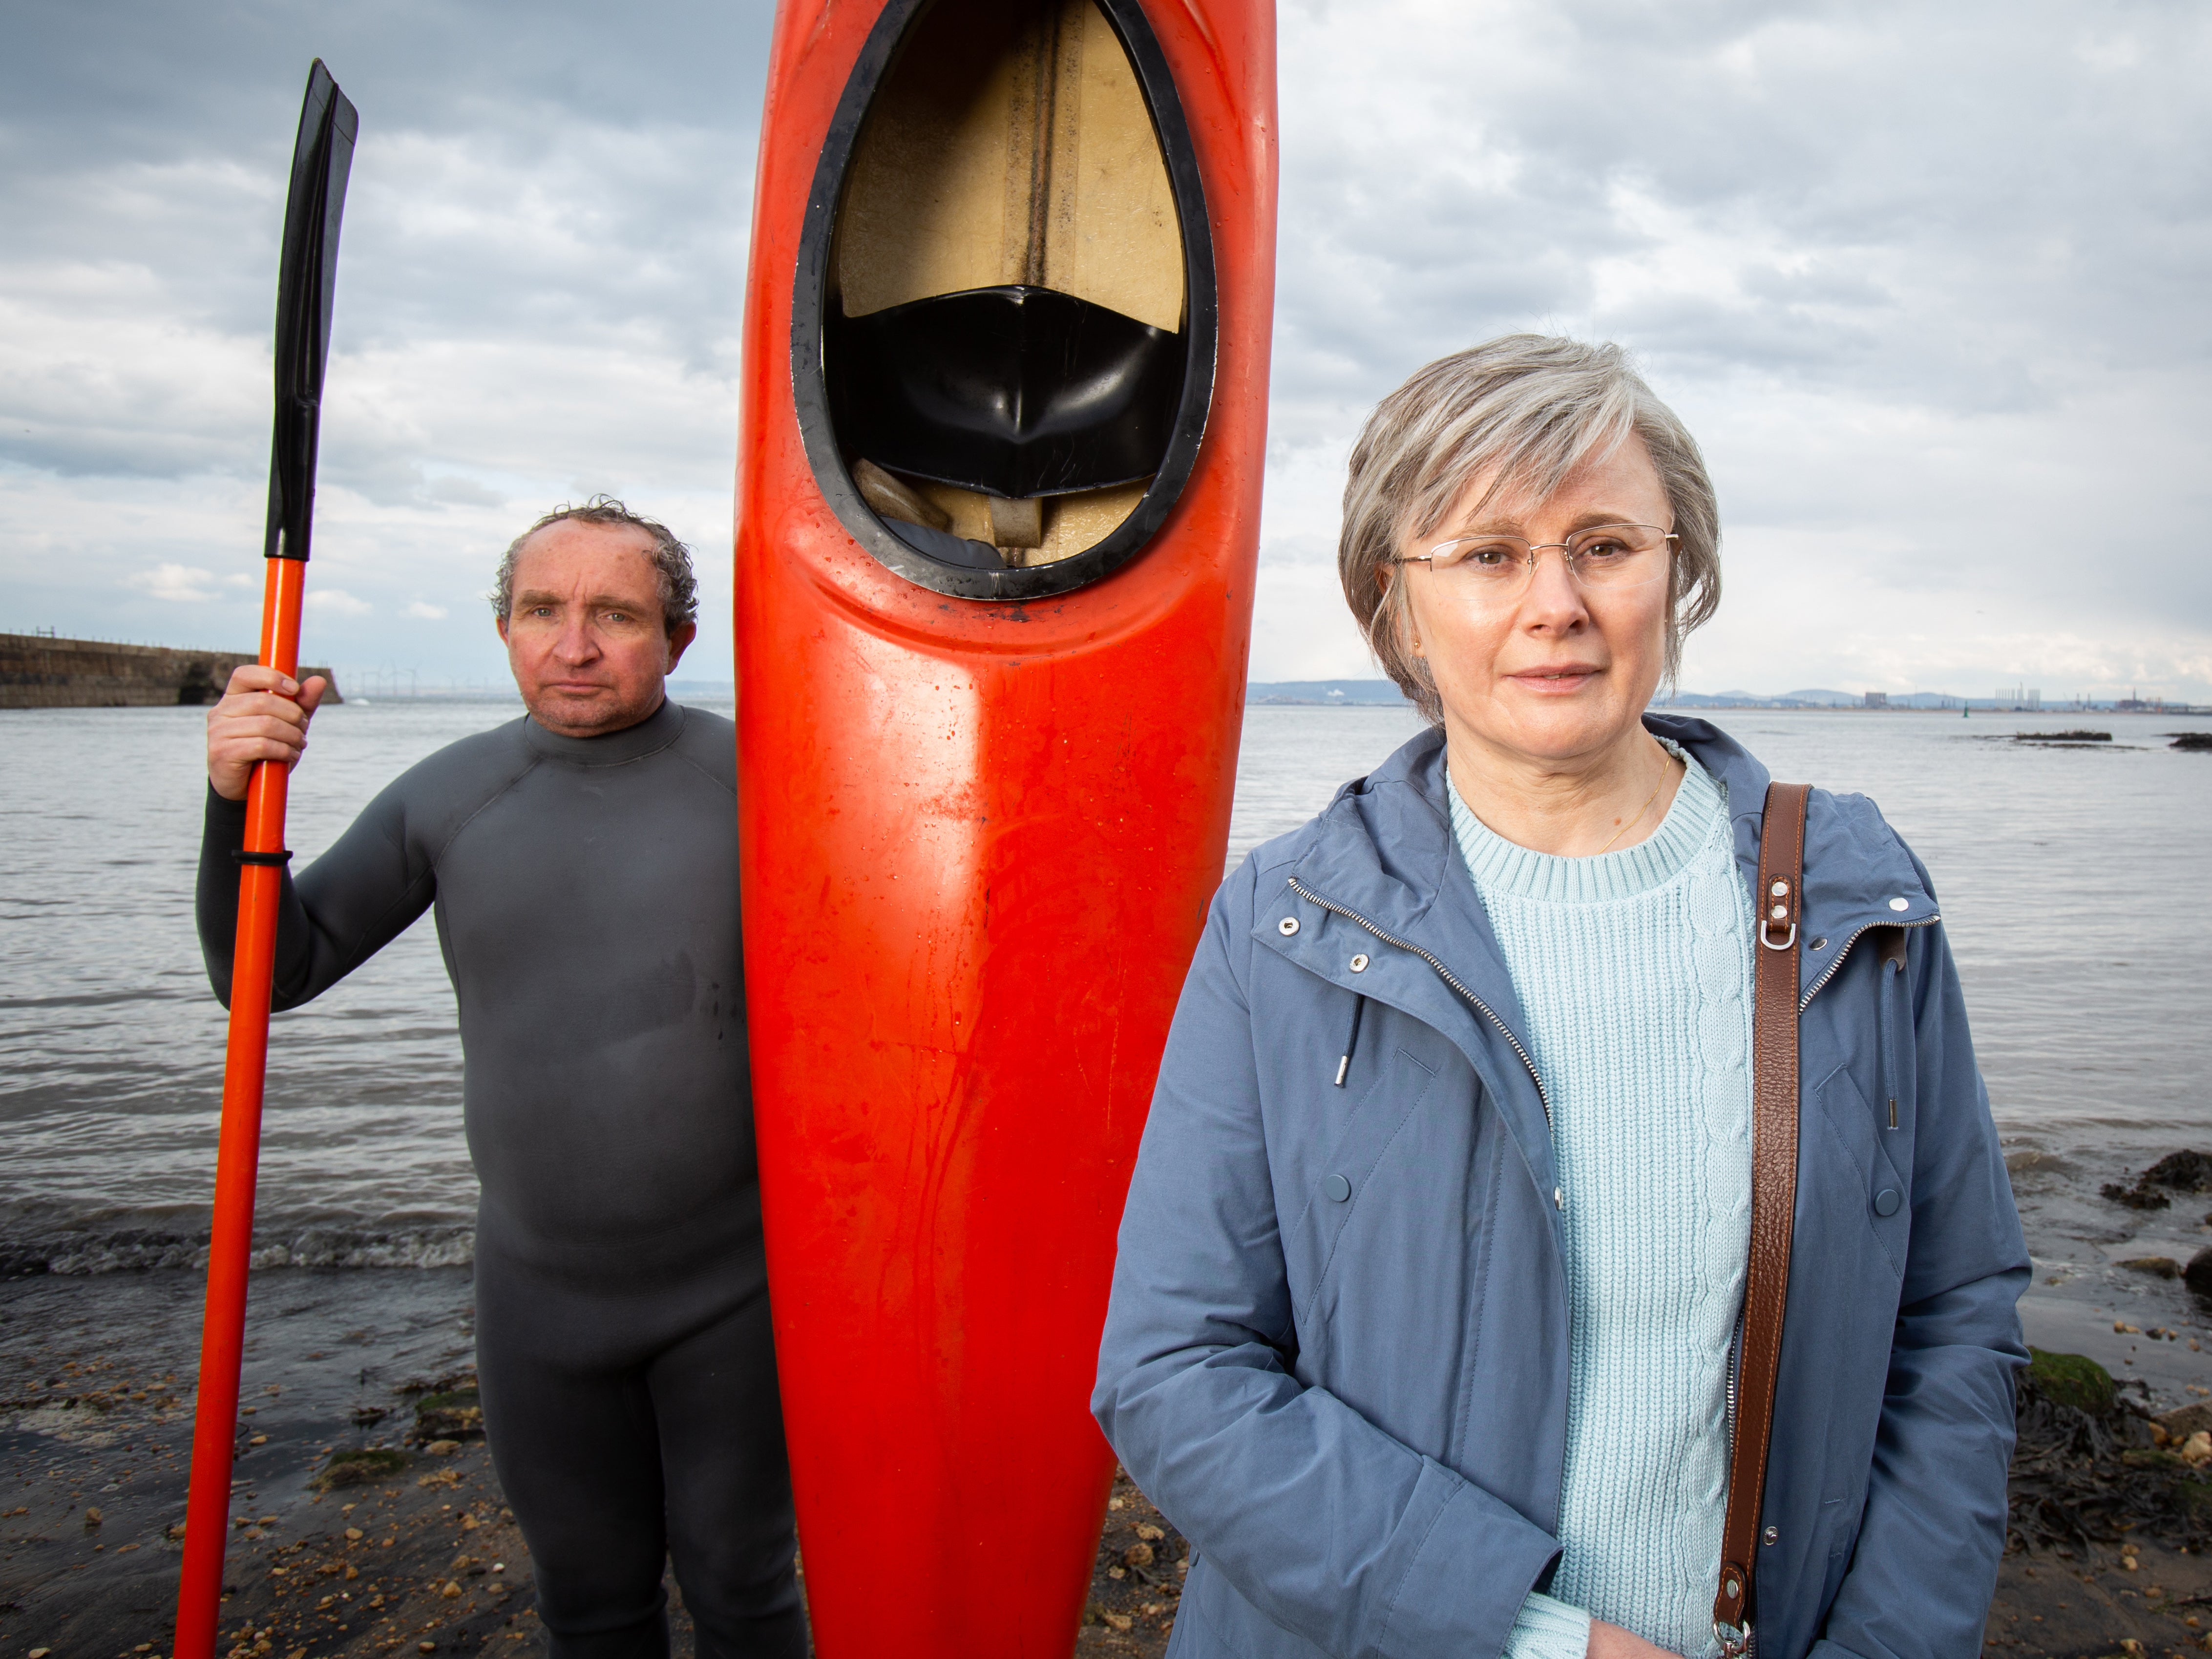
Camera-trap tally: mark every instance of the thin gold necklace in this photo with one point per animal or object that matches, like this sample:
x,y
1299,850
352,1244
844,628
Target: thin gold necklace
x,y
1640,812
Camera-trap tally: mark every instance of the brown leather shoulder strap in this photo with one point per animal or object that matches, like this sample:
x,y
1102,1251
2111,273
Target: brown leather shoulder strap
x,y
1773,1198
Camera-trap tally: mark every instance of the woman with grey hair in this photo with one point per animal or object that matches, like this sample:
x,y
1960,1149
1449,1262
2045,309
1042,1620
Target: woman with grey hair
x,y
1439,1272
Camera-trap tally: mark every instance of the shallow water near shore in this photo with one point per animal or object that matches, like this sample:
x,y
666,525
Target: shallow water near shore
x,y
2071,882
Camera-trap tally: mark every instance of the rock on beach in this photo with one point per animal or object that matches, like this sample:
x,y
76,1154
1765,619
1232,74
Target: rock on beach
x,y
2177,1172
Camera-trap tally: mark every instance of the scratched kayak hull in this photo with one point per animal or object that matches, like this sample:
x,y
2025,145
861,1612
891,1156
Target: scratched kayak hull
x,y
998,505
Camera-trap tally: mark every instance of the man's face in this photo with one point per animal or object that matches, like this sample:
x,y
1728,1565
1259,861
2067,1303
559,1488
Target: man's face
x,y
584,635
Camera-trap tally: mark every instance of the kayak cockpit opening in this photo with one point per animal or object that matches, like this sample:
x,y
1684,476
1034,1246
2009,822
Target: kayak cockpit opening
x,y
1003,331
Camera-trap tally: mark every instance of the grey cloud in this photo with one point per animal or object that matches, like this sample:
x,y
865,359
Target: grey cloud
x,y
526,174
1926,281
1968,146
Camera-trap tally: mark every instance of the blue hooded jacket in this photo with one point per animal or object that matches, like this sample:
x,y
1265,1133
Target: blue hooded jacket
x,y
1354,1404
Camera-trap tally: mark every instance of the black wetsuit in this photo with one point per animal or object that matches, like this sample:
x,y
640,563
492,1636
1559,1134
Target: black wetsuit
x,y
587,897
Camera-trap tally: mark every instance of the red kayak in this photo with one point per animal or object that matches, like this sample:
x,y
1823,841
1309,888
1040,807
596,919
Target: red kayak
x,y
998,510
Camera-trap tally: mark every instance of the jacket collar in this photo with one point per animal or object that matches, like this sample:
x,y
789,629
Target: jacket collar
x,y
1382,849
1857,874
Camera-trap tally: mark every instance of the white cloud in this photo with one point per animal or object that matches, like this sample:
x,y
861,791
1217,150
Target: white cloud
x,y
336,602
179,584
427,612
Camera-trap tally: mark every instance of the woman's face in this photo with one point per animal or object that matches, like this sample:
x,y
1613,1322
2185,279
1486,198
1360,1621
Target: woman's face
x,y
1559,672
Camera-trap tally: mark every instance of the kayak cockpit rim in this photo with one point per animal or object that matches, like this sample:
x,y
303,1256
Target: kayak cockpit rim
x,y
815,293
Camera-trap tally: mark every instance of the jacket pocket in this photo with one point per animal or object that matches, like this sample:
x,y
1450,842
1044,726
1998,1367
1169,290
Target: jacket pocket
x,y
1884,1198
1337,1185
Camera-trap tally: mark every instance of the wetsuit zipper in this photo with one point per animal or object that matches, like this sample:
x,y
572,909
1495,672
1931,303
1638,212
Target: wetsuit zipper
x,y
1543,1099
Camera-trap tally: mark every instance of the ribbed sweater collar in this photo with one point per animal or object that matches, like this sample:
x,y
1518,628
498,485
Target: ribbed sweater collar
x,y
1501,867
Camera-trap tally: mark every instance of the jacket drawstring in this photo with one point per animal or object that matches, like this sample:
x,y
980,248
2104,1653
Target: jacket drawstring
x,y
1350,1040
1891,975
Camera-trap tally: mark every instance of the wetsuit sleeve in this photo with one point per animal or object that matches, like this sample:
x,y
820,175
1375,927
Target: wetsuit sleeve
x,y
342,908
1934,1525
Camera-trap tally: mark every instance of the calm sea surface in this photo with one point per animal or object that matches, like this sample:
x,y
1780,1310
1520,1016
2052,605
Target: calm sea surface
x,y
2073,881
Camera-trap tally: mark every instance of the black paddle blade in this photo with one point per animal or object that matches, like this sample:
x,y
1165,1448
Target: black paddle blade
x,y
306,282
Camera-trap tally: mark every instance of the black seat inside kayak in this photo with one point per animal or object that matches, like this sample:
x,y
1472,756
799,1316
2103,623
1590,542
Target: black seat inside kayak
x,y
1014,392
946,548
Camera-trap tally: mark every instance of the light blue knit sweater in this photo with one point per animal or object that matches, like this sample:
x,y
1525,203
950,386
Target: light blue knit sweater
x,y
1633,970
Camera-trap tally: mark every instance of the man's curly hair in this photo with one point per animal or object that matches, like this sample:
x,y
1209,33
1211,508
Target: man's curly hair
x,y
671,560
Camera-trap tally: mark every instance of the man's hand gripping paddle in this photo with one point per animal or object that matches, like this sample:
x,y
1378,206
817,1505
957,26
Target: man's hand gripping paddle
x,y
306,281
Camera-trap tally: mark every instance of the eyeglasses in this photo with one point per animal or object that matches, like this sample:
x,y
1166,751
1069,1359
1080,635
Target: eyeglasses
x,y
1488,567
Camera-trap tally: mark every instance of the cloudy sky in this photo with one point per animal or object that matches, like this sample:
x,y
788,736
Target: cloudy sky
x,y
1930,283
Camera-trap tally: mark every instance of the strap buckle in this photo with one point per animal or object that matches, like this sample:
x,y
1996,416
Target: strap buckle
x,y
1735,1639
1778,896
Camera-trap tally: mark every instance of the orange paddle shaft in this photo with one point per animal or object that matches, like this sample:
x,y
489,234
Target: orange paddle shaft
x,y
246,1066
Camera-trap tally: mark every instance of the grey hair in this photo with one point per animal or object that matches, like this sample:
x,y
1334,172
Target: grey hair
x,y
671,560
1528,410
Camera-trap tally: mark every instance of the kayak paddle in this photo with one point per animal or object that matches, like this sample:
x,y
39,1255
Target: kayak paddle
x,y
306,280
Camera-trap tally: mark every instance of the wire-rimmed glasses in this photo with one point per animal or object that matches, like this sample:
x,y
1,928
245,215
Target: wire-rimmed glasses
x,y
1604,556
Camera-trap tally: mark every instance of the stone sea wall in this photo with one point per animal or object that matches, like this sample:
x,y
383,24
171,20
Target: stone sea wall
x,y
39,671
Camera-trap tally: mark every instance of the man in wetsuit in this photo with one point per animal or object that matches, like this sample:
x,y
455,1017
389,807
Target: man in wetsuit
x,y
583,864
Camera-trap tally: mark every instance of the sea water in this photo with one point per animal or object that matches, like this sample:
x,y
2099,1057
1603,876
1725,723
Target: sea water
x,y
2072,881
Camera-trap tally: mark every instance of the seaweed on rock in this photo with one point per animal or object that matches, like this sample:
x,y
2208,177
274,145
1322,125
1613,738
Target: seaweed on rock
x,y
2088,1468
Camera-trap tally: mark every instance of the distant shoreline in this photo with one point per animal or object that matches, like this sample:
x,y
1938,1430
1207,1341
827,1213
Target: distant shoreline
x,y
1381,694
40,670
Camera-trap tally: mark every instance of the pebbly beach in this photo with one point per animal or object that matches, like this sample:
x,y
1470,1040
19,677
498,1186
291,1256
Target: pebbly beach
x,y
366,1517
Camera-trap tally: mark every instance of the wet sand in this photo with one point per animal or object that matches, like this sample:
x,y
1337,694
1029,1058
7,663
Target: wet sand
x,y
2055,1609
96,1379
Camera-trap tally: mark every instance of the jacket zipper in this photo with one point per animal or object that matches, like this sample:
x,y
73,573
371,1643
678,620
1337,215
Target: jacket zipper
x,y
1543,1099
1735,1378
1734,1374
1734,1367
1830,971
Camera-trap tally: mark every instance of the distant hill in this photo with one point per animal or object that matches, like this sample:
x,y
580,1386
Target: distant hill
x,y
1820,698
1815,698
1381,694
1356,693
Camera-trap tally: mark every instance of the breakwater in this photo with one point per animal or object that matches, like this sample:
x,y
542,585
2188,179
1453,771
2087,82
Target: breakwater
x,y
37,670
